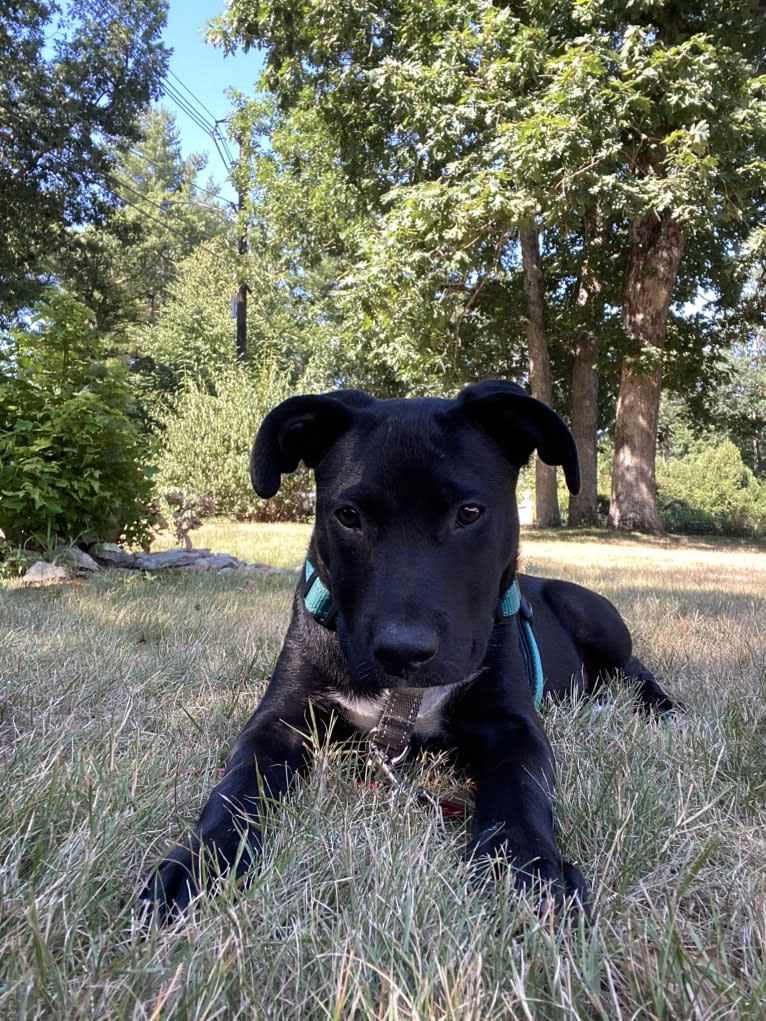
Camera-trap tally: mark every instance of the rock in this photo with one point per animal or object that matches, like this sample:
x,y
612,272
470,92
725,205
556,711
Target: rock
x,y
77,557
197,566
43,573
109,554
168,558
112,556
217,561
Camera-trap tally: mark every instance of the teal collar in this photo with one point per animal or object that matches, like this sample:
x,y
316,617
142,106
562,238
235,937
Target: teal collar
x,y
317,597
318,601
510,604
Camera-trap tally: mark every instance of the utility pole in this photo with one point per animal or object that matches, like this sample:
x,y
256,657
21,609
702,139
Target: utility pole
x,y
241,298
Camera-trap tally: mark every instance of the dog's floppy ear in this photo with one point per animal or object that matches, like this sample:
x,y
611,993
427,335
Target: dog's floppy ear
x,y
521,424
300,429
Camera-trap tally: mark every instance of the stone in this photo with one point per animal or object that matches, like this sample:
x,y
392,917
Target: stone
x,y
79,559
43,573
109,554
168,558
112,556
217,561
197,566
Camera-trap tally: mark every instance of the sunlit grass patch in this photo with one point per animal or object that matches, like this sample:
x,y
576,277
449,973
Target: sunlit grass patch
x,y
281,545
121,696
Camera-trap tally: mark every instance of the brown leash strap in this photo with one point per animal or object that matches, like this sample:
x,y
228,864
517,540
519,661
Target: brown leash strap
x,y
391,735
389,742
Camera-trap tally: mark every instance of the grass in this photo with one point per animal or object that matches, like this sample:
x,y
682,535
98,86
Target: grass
x,y
282,545
120,697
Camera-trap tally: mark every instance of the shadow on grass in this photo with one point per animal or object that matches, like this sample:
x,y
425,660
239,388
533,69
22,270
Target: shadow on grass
x,y
611,537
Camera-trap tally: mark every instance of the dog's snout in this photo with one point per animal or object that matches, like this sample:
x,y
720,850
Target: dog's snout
x,y
404,649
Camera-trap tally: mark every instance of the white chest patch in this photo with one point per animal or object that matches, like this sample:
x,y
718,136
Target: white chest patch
x,y
364,711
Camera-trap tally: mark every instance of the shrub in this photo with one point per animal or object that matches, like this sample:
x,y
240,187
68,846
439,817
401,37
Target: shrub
x,y
711,490
72,464
206,440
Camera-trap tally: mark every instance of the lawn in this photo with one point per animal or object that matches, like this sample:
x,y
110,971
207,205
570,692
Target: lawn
x,y
121,694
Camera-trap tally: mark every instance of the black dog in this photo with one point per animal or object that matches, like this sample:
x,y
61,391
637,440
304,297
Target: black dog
x,y
408,622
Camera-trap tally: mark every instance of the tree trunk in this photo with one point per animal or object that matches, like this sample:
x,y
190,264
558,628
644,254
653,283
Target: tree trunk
x,y
654,255
583,506
546,499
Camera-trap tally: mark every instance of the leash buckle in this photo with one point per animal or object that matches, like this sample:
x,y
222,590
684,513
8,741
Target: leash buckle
x,y
385,766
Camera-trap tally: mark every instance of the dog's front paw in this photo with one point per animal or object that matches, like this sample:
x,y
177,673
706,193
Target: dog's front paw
x,y
575,889
548,876
197,864
172,885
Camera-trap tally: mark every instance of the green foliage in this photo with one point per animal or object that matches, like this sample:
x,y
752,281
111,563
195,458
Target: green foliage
x,y
14,562
631,133
193,339
165,209
459,121
206,442
194,335
711,490
124,266
72,81
72,464
739,405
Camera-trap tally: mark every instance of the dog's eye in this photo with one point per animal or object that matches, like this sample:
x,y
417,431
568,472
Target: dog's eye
x,y
469,513
348,517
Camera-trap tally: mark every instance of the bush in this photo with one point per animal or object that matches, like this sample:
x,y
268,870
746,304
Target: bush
x,y
711,491
72,464
206,440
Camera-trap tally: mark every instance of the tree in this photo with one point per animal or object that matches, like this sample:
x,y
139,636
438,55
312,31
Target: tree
x,y
461,121
415,319
66,106
697,136
165,208
740,406
123,266
540,383
649,117
193,336
587,342
304,223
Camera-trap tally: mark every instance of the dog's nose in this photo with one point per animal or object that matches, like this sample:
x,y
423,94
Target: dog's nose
x,y
402,650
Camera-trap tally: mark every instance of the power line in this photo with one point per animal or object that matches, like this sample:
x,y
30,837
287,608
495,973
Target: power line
x,y
162,206
114,186
188,109
224,142
196,99
194,187
74,117
193,107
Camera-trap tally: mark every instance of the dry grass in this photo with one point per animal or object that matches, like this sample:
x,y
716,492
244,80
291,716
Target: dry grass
x,y
120,697
282,545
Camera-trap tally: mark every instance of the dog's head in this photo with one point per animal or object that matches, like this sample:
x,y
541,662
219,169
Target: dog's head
x,y
417,530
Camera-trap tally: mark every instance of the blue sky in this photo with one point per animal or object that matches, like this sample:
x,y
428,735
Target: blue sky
x,y
207,73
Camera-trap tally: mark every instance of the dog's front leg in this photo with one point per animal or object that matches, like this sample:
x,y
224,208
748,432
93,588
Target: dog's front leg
x,y
512,765
266,757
